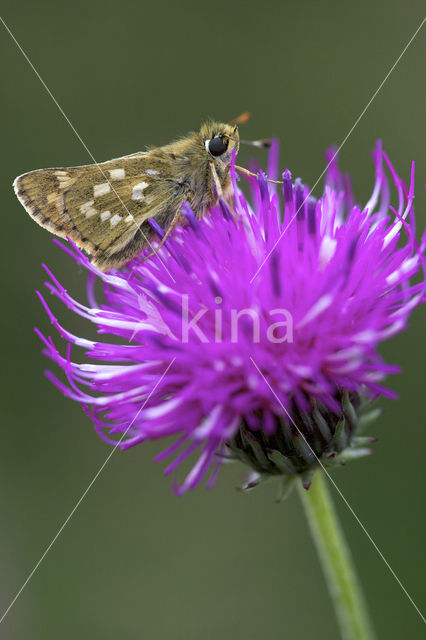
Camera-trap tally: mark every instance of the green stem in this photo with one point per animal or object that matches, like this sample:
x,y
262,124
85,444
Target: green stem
x,y
336,561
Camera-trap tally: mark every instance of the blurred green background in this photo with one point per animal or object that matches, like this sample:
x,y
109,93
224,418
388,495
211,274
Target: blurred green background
x,y
135,561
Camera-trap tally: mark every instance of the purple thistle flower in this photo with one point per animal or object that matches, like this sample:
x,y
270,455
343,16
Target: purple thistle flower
x,y
254,332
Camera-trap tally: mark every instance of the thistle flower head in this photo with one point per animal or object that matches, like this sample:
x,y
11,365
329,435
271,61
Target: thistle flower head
x,y
254,332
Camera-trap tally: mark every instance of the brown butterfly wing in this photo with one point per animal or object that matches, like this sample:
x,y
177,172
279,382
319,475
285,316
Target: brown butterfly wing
x,y
104,208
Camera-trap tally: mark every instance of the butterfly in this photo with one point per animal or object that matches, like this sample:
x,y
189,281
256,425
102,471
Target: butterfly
x,y
106,208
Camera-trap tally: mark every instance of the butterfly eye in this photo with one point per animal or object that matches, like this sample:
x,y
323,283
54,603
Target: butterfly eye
x,y
217,146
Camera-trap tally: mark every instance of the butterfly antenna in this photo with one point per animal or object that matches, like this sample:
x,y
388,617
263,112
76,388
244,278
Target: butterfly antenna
x,y
261,144
242,118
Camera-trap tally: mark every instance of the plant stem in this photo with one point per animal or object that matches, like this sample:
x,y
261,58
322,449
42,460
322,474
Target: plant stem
x,y
336,561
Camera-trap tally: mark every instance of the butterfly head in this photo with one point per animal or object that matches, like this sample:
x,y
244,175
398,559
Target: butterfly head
x,y
220,140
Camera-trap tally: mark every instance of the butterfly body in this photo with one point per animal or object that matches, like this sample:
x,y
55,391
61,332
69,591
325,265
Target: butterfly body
x,y
105,208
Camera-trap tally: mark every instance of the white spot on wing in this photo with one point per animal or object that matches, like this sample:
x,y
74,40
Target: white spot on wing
x,y
117,174
129,218
137,192
60,203
101,189
87,209
86,205
151,172
64,179
115,220
105,215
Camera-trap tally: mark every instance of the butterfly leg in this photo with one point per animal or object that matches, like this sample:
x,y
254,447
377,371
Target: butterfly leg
x,y
174,223
220,192
216,180
246,172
